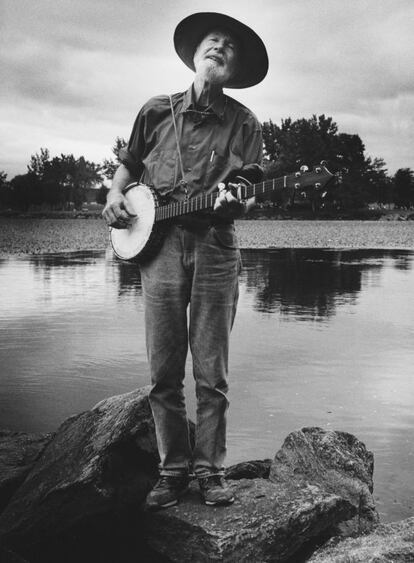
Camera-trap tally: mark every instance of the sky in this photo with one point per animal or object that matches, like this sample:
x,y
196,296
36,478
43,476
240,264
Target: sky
x,y
74,73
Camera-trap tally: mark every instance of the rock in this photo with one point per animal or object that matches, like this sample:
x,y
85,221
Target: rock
x,y
387,543
98,463
18,452
7,556
336,461
319,483
249,469
81,501
265,523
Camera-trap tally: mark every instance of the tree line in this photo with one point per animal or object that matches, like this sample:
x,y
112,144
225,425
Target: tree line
x,y
359,180
64,182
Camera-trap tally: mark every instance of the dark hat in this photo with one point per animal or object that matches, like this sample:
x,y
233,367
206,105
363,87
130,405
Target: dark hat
x,y
191,30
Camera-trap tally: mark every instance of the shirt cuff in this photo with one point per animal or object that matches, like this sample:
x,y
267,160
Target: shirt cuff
x,y
253,173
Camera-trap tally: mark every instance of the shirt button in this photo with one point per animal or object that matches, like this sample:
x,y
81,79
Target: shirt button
x,y
188,169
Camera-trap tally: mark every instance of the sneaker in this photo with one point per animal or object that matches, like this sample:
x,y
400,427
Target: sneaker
x,y
215,491
166,492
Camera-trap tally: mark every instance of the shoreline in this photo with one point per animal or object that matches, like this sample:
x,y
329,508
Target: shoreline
x,y
29,236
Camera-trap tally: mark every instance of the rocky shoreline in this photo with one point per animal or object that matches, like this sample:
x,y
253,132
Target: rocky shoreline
x,y
78,496
21,236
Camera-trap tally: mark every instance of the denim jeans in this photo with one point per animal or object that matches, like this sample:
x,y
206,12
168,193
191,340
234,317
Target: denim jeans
x,y
190,296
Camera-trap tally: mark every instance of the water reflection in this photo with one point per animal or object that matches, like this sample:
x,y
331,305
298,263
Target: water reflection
x,y
297,283
72,333
307,283
47,262
129,279
301,283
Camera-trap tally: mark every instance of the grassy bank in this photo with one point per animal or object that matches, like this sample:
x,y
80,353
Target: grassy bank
x,y
46,235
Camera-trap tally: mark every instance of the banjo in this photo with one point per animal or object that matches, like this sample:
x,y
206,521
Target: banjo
x,y
143,236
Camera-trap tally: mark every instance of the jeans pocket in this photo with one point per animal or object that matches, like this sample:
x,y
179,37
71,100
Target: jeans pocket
x,y
226,236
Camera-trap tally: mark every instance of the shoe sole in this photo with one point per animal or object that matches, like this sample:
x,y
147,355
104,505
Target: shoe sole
x,y
161,506
219,503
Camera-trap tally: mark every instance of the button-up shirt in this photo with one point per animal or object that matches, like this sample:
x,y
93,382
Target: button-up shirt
x,y
217,145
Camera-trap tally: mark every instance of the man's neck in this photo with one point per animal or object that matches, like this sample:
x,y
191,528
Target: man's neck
x,y
205,92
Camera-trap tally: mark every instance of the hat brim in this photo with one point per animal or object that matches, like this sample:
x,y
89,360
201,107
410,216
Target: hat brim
x,y
191,30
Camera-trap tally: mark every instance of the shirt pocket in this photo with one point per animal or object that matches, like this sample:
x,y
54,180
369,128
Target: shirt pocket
x,y
219,166
214,169
161,169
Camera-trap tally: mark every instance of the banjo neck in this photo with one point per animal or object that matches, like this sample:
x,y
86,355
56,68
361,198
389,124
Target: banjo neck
x,y
318,177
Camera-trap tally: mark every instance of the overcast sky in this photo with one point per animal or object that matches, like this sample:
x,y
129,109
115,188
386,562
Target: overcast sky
x,y
75,72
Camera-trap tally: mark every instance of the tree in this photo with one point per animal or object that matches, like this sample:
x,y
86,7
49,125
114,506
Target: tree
x,y
82,174
297,143
101,195
22,189
5,190
404,187
300,142
380,186
63,179
39,162
308,141
349,164
109,165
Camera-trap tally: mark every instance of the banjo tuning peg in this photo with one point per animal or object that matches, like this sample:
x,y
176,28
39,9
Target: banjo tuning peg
x,y
324,163
304,168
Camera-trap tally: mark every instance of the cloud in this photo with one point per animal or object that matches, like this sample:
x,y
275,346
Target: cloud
x,y
77,72
40,74
87,24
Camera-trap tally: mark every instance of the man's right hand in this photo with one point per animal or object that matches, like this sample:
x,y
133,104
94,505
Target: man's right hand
x,y
117,211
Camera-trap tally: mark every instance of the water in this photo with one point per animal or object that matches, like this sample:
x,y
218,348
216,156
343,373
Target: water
x,y
322,338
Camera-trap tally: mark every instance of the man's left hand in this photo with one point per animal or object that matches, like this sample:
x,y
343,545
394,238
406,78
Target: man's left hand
x,y
228,202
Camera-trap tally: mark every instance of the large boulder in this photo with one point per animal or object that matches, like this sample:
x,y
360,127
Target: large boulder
x,y
319,481
97,463
265,523
18,453
7,556
336,461
387,543
81,500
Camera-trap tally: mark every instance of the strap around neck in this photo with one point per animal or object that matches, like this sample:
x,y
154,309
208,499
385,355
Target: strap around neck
x,y
180,160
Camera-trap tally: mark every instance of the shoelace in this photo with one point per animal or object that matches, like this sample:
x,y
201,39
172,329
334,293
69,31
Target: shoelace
x,y
214,480
165,481
162,482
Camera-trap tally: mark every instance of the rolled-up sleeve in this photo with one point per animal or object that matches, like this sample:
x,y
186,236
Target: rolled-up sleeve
x,y
131,156
252,153
253,170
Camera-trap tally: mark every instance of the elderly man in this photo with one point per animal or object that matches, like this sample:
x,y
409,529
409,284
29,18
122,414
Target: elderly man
x,y
185,145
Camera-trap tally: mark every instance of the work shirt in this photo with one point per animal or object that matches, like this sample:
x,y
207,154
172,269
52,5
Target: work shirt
x,y
217,145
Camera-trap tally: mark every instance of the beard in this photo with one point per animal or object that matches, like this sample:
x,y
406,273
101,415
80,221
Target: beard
x,y
213,72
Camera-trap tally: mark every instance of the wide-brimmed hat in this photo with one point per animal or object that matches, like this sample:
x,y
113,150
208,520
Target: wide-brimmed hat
x,y
254,64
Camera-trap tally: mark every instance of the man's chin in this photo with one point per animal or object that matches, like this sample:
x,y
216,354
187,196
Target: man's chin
x,y
213,75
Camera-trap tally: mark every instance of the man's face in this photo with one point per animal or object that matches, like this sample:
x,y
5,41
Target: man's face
x,y
217,57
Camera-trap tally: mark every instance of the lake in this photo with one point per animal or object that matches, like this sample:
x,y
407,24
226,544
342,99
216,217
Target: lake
x,y
322,338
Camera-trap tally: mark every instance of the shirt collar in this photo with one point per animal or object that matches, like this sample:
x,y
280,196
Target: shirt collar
x,y
217,107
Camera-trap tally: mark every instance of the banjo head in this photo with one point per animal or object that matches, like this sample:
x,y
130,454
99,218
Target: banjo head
x,y
130,242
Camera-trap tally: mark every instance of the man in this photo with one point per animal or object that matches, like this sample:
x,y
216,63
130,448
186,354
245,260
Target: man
x,y
186,145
